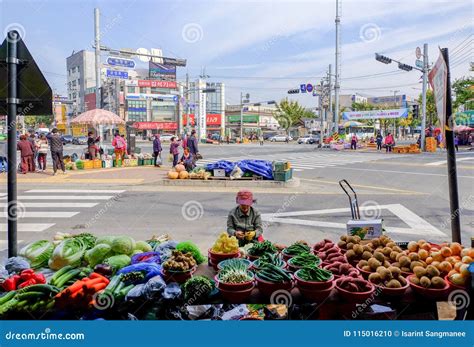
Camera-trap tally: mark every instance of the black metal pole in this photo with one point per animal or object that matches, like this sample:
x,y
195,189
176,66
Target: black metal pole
x,y
451,156
12,103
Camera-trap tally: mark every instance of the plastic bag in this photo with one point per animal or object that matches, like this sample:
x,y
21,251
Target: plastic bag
x,y
154,287
16,264
236,173
146,257
259,167
170,158
165,249
227,166
172,291
136,292
150,269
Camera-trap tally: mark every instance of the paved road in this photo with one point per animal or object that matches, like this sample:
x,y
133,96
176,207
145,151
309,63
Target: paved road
x,y
407,191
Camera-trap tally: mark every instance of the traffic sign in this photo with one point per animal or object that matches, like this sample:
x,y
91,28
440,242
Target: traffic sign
x,y
114,61
117,74
418,52
309,87
303,88
419,63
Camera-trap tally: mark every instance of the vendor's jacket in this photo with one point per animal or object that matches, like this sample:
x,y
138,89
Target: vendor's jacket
x,y
237,220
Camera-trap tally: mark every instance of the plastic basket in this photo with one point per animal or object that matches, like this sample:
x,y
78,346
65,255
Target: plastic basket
x,y
126,162
148,162
133,162
140,162
80,164
97,163
117,163
107,164
88,164
279,166
283,176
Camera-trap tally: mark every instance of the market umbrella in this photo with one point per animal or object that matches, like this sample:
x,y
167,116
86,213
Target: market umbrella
x,y
461,128
352,124
98,117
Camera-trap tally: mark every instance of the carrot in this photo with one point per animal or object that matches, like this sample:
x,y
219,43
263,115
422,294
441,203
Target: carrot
x,y
76,294
98,287
96,281
97,275
74,287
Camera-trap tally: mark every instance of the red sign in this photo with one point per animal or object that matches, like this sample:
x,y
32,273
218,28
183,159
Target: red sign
x,y
157,84
89,101
155,125
211,119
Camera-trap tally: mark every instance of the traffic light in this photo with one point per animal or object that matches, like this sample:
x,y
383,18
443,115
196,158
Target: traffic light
x,y
382,58
415,111
293,91
405,67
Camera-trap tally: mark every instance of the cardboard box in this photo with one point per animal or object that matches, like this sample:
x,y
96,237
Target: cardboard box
x,y
366,229
219,173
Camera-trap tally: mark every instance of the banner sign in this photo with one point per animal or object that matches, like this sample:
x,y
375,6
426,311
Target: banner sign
x,y
438,78
211,119
157,84
162,72
376,114
155,125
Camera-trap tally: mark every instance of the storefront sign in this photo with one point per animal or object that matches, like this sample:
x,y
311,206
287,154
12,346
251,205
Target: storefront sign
x,y
211,119
158,97
438,78
156,84
376,114
162,72
155,125
247,118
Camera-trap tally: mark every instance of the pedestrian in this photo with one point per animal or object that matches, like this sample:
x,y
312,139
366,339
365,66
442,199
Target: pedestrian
x,y
193,145
32,140
185,141
125,150
354,142
174,150
56,147
389,142
43,147
228,139
119,147
157,149
456,142
379,140
260,139
26,149
188,160
92,145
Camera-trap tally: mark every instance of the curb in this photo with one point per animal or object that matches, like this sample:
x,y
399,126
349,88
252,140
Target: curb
x,y
292,183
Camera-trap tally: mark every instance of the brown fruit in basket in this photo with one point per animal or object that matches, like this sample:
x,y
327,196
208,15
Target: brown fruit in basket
x,y
386,251
393,255
342,244
375,243
405,269
375,278
362,263
379,256
432,271
384,273
414,256
396,264
356,239
393,284
358,249
414,264
404,261
367,248
415,280
391,244
419,271
395,271
367,268
402,281
397,249
343,238
350,245
438,282
386,263
425,282
374,263
350,254
366,255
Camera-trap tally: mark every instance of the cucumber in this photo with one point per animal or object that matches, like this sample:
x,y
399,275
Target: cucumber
x,y
66,277
118,288
59,273
125,290
114,282
30,296
44,288
7,297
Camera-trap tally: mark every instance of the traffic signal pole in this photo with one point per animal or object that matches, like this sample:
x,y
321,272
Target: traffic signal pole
x,y
424,90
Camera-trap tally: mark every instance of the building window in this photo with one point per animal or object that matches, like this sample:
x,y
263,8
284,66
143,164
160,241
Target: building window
x,y
131,89
143,90
78,81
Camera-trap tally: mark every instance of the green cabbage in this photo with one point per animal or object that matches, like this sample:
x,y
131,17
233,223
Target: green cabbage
x,y
68,252
143,246
123,245
108,240
97,254
38,253
118,261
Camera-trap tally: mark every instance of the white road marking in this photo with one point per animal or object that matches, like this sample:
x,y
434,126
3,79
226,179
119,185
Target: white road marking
x,y
29,227
56,204
74,191
417,225
441,162
44,214
4,244
63,197
400,172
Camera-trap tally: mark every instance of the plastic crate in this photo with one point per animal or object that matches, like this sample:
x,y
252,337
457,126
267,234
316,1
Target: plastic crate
x,y
148,162
88,164
80,164
97,164
283,176
117,163
133,162
140,162
126,162
107,164
279,166
110,151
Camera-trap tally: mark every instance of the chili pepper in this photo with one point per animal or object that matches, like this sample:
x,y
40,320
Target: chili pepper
x,y
39,278
10,283
30,282
27,274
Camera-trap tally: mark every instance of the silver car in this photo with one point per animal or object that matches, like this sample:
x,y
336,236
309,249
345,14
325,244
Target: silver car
x,y
281,138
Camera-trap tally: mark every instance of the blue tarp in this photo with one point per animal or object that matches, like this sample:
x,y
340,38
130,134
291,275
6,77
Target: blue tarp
x,y
259,167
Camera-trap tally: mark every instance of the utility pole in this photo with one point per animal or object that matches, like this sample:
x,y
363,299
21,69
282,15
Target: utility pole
x,y
321,95
188,116
97,67
395,105
338,68
241,117
330,96
424,89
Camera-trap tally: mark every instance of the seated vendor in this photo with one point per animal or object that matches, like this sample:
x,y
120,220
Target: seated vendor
x,y
244,221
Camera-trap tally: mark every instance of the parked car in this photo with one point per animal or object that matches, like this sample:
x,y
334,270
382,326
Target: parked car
x,y
269,135
166,137
215,137
308,139
80,140
281,138
67,139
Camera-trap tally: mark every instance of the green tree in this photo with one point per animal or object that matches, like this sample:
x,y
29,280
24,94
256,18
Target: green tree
x,y
431,114
32,122
463,89
289,113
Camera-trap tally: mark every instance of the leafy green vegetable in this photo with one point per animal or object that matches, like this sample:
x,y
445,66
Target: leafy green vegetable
x,y
97,254
38,253
314,274
118,261
143,246
297,249
268,258
305,259
123,245
260,248
87,239
197,289
108,240
190,247
68,252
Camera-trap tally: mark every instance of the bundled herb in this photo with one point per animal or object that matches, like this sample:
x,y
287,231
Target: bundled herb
x,y
235,273
305,260
314,274
197,289
260,248
297,249
268,258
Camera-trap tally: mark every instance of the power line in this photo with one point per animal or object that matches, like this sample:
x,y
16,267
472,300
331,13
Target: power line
x,y
467,45
461,57
468,36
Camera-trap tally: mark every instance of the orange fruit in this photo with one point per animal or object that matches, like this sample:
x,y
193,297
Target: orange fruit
x,y
426,246
423,254
437,256
446,252
456,248
429,260
467,260
457,266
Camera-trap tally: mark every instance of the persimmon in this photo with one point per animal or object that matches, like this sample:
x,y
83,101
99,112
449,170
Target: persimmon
x,y
446,252
456,248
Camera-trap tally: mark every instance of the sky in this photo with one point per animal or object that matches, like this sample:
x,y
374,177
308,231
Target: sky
x,y
263,47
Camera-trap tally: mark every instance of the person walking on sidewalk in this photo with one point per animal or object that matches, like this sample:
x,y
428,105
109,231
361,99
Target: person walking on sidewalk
x,y
354,142
26,151
42,145
389,142
379,140
157,149
193,145
456,142
174,150
32,139
119,147
56,146
260,139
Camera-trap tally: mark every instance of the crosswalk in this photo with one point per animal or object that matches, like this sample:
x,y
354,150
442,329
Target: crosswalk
x,y
444,162
312,161
37,206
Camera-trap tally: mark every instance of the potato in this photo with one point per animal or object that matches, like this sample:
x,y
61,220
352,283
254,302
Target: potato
x,y
423,253
393,255
395,271
343,238
358,249
342,244
350,254
393,284
419,271
386,251
425,282
405,269
386,263
432,271
412,246
415,280
362,263
414,264
366,255
374,263
396,264
438,282
350,245
391,244
375,243
402,281
404,261
397,249
384,273
356,239
379,256
367,268
367,248
375,278
414,256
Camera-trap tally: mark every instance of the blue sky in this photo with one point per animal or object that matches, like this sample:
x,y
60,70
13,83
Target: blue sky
x,y
260,47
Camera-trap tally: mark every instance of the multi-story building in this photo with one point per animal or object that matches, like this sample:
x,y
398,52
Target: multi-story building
x,y
80,77
255,119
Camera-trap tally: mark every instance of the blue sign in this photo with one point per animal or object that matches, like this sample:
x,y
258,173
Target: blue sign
x,y
175,98
309,87
121,62
117,74
303,88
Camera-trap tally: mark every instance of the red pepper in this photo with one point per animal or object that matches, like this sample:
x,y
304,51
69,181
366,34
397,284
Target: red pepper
x,y
27,274
27,283
11,283
39,278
